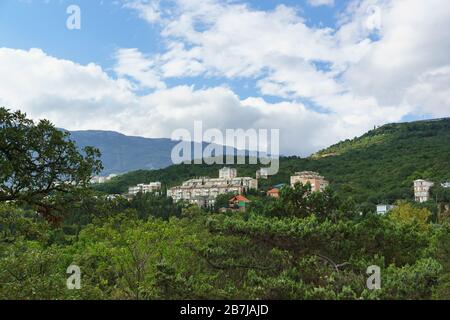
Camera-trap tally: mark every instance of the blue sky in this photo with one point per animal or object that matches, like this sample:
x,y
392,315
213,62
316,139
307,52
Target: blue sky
x,y
106,26
319,70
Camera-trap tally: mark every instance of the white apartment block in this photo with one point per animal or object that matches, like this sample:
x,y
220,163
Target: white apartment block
x,y
152,187
204,191
318,183
227,173
262,173
384,208
113,196
422,190
101,179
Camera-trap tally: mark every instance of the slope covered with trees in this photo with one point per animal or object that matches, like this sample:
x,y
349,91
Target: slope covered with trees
x,y
379,166
303,245
128,250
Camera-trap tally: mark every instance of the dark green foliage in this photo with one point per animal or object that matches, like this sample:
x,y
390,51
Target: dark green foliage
x,y
230,256
378,167
40,165
222,200
304,245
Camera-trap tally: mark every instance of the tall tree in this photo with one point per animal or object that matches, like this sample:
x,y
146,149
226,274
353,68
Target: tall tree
x,y
39,164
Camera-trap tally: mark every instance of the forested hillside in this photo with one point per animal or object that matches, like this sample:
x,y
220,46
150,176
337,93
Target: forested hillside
x,y
302,245
379,166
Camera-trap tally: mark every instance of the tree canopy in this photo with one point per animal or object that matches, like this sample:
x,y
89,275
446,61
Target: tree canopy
x,y
302,245
39,163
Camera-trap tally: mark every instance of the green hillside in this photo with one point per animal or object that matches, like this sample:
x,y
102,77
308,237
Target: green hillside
x,y
379,166
299,246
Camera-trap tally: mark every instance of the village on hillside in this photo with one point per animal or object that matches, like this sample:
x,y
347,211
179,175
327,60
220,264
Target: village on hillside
x,y
203,191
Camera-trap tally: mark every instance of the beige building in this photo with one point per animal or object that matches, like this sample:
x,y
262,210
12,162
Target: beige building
x,y
422,190
274,193
145,188
227,173
318,183
262,173
204,191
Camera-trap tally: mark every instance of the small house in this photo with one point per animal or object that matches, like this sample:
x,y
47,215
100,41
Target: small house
x,y
274,193
239,202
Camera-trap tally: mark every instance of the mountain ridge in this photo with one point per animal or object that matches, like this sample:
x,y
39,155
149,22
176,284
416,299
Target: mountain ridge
x,y
122,153
378,166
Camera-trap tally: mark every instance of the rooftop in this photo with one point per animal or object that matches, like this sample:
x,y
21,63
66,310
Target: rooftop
x,y
309,174
239,198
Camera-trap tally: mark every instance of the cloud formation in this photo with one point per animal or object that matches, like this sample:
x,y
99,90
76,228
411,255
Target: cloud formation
x,y
383,61
317,3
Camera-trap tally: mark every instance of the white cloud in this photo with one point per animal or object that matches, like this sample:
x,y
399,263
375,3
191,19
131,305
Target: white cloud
x,y
69,94
380,51
132,63
317,3
335,83
430,94
81,97
148,10
414,42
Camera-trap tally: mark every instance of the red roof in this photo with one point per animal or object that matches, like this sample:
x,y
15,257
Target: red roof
x,y
239,198
274,190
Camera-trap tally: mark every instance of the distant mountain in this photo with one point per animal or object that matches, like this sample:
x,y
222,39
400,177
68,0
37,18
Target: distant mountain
x,y
379,166
121,153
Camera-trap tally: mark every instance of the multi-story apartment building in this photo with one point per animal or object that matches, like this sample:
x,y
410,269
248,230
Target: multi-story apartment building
x,y
384,208
145,188
227,173
318,183
102,179
262,173
204,191
422,190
